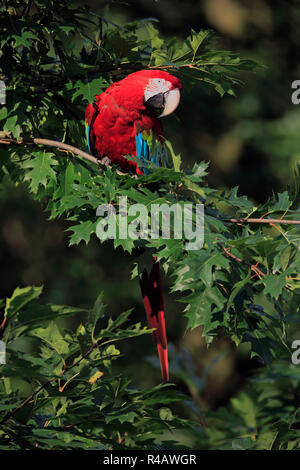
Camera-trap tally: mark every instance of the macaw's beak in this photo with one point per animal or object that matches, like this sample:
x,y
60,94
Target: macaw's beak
x,y
164,103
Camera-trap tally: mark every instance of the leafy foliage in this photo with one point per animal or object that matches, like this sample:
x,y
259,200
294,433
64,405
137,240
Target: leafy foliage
x,y
263,418
75,400
244,280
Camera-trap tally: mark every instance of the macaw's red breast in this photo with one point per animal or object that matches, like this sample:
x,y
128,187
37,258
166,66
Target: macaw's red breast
x,y
119,114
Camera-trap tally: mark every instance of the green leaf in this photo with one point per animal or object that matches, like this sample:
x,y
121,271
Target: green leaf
x,y
165,414
176,159
83,339
52,336
205,309
285,257
87,91
97,312
156,41
283,202
196,39
246,408
274,284
41,170
82,232
20,297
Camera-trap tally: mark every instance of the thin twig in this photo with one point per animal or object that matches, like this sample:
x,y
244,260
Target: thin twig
x,y
253,267
70,148
191,65
262,221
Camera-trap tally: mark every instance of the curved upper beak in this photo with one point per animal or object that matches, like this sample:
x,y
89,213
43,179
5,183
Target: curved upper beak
x,y
172,99
166,102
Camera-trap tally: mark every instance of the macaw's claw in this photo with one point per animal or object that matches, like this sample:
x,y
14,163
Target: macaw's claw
x,y
106,161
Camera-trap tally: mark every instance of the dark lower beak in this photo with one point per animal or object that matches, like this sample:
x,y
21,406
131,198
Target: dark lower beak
x,y
156,101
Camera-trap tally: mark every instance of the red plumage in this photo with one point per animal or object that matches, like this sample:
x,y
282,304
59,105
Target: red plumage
x,y
151,288
115,118
119,113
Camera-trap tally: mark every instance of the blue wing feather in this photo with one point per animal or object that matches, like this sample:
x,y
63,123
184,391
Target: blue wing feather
x,y
87,133
139,145
143,152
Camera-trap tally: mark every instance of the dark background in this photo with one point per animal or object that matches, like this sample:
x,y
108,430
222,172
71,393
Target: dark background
x,y
252,141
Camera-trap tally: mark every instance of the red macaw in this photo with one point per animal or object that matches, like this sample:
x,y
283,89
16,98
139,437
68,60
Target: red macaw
x,y
123,120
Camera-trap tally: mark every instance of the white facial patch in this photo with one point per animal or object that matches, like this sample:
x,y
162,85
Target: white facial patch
x,y
156,86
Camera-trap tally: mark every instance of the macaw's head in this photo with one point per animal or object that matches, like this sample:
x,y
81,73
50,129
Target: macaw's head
x,y
154,90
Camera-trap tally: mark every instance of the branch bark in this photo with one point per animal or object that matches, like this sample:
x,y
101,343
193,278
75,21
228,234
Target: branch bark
x,y
6,139
263,221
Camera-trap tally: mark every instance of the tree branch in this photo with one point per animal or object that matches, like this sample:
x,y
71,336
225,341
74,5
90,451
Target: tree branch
x,y
263,221
5,138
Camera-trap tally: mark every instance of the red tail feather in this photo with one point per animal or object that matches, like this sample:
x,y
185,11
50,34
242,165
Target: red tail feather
x,y
153,302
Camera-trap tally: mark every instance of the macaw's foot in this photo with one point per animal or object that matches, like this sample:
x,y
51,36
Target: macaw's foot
x,y
106,161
